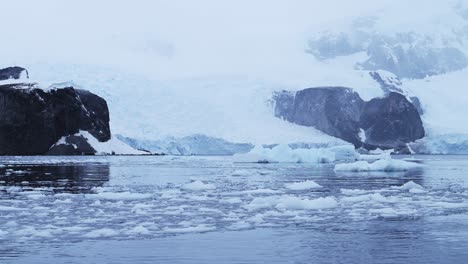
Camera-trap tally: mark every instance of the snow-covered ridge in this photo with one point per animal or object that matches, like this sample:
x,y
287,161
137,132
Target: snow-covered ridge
x,y
430,43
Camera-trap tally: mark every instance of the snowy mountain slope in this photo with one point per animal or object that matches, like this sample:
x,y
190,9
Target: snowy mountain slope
x,y
167,71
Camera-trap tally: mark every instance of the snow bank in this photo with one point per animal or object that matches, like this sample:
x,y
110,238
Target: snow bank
x,y
301,186
379,165
198,186
284,153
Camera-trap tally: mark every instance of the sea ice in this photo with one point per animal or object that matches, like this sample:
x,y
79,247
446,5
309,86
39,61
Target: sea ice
x,y
198,186
301,186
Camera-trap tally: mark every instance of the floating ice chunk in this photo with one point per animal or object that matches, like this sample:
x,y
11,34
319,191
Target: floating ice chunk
x,y
379,165
235,200
352,191
345,153
104,232
376,197
385,212
139,230
239,226
33,232
259,191
262,202
120,196
412,187
284,153
301,186
193,229
291,203
8,208
357,166
198,186
296,203
416,191
241,173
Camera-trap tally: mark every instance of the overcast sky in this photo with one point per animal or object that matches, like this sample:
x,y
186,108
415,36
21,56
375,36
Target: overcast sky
x,y
177,37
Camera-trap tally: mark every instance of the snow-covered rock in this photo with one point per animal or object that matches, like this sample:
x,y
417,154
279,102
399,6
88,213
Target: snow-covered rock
x,y
32,119
387,122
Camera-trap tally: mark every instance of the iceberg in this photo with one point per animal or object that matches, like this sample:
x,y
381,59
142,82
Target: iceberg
x,y
387,165
283,153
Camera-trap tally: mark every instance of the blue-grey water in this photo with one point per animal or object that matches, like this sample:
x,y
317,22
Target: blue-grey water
x,y
213,210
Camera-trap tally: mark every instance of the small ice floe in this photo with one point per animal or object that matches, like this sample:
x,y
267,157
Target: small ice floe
x,y
302,186
291,203
104,232
138,230
296,203
198,186
412,187
119,196
353,191
234,200
387,165
191,229
241,173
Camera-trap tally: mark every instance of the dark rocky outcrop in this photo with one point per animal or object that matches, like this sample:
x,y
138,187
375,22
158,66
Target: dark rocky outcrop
x,y
32,120
388,122
13,73
391,121
333,110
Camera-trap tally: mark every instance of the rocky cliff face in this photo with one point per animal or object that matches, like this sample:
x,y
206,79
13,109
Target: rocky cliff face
x,y
32,120
388,122
13,73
